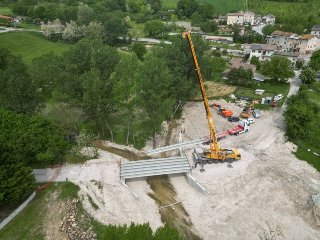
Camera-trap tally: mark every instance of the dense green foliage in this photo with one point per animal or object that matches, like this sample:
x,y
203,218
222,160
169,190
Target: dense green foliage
x,y
16,180
300,113
294,15
140,231
255,61
315,60
33,138
139,49
308,76
17,90
239,76
278,68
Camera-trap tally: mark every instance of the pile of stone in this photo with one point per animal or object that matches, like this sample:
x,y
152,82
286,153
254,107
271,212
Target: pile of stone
x,y
70,226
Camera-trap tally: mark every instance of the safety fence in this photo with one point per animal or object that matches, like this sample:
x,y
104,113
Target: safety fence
x,y
51,180
15,212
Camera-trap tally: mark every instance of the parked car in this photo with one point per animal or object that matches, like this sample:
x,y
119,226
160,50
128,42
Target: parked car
x,y
280,96
256,113
245,98
233,119
250,120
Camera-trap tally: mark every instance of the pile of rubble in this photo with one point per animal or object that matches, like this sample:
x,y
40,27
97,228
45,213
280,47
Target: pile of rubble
x,y
71,227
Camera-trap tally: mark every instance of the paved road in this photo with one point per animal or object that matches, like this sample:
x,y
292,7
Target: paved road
x,y
70,172
152,40
258,28
295,84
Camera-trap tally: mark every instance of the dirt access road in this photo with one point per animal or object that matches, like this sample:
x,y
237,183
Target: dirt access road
x,y
266,195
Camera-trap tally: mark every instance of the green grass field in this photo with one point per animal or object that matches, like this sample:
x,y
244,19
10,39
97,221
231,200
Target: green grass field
x,y
31,45
221,6
5,11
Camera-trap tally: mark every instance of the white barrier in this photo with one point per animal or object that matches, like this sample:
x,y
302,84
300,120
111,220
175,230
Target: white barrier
x,y
15,212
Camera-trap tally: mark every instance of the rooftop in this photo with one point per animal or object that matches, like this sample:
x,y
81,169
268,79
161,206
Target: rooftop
x,y
315,28
286,34
286,54
308,37
256,46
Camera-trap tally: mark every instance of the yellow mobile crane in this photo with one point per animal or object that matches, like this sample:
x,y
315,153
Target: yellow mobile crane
x,y
214,154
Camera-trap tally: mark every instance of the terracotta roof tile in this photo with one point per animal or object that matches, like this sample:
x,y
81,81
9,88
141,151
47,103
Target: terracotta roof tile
x,y
308,37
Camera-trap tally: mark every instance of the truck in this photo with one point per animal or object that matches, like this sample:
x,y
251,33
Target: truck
x,y
214,154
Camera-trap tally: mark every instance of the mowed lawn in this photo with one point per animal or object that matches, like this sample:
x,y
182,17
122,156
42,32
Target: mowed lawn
x,y
5,11
221,6
31,45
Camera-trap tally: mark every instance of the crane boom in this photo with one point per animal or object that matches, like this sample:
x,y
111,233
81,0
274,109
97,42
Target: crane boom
x,y
215,153
203,92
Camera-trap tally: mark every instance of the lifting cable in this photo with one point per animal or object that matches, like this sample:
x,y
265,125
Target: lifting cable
x,y
165,129
192,123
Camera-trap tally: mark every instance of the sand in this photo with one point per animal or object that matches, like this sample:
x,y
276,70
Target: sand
x,y
265,195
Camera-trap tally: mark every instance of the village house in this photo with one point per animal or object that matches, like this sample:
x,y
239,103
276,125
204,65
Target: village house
x,y
217,39
269,19
293,57
281,39
257,19
248,18
5,18
237,63
315,30
262,51
233,18
308,43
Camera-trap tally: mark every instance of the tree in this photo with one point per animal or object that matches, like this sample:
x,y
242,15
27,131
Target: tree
x,y
139,49
16,180
213,64
268,29
153,27
187,7
196,19
85,14
125,87
72,32
239,76
206,10
255,61
308,76
17,90
277,67
94,30
53,31
154,82
315,60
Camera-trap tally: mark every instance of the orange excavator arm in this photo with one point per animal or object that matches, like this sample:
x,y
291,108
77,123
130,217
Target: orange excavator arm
x,y
204,96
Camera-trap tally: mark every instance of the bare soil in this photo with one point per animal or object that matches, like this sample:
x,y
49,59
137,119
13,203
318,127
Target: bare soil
x,y
265,195
216,89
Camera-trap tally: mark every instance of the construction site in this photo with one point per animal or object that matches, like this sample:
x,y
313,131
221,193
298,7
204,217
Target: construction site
x,y
209,177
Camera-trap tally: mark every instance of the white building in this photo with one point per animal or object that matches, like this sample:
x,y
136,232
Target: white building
x,y
281,39
308,43
269,19
262,51
233,18
248,18
316,30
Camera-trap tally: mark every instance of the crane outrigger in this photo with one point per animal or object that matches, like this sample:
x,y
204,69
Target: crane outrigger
x,y
214,154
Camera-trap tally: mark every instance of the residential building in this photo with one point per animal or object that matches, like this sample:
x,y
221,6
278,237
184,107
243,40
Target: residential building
x,y
194,29
248,18
262,51
220,27
257,19
269,19
246,48
217,39
293,57
293,43
308,43
237,65
316,30
9,19
233,18
279,38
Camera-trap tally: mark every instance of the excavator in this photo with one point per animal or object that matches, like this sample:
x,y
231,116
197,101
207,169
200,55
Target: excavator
x,y
247,111
215,154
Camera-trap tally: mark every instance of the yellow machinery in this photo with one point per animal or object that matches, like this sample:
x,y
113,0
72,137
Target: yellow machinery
x,y
214,154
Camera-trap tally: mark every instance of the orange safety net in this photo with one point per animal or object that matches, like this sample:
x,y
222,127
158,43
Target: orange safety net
x,y
51,180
